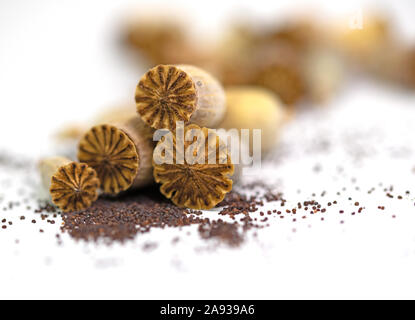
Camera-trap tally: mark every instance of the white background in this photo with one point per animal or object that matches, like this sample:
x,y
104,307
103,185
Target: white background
x,y
59,62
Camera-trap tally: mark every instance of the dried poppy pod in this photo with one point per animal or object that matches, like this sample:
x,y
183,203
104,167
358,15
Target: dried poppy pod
x,y
198,173
114,114
394,64
120,153
155,35
409,63
73,186
70,132
300,33
235,55
168,93
279,69
359,44
250,107
284,80
324,74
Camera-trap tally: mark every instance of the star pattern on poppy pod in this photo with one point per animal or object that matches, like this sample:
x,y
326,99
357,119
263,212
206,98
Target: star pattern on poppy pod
x,y
199,184
165,95
112,153
74,187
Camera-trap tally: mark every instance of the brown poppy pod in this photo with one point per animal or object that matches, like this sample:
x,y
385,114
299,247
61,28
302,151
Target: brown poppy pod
x,y
198,175
280,70
121,153
270,57
395,64
170,93
409,62
154,34
72,186
300,33
235,55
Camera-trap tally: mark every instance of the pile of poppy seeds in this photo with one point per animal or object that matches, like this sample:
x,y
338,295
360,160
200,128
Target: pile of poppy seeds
x,y
254,204
123,218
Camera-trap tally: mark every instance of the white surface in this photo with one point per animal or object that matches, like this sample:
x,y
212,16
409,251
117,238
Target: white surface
x,y
55,61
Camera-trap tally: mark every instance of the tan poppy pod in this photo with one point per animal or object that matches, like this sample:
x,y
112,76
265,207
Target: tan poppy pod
x,y
121,154
170,93
75,131
70,132
361,43
324,73
375,49
199,184
250,107
235,55
72,186
116,114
